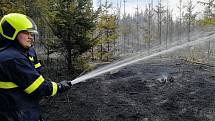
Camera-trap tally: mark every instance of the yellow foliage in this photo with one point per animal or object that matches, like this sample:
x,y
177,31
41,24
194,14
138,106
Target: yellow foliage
x,y
147,38
72,8
107,22
207,21
124,29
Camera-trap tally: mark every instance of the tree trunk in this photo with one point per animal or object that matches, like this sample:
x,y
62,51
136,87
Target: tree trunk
x,y
101,51
92,53
69,60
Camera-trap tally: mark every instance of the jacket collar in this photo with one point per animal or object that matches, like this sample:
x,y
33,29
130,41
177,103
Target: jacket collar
x,y
19,47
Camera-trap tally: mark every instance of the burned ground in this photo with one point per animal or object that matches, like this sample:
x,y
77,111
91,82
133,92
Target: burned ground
x,y
167,90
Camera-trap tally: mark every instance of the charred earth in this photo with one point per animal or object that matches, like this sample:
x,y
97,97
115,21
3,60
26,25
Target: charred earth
x,y
159,90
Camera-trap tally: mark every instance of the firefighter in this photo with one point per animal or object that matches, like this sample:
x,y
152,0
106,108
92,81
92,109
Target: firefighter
x,y
21,85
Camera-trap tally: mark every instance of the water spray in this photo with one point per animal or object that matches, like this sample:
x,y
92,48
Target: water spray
x,y
137,58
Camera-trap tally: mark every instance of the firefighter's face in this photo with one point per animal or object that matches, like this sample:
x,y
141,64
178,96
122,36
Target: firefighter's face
x,y
25,39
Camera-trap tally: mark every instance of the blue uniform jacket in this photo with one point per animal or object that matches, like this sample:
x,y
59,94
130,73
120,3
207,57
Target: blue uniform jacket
x,y
21,86
32,55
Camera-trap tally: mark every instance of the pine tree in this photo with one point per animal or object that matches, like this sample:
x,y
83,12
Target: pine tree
x,y
107,26
72,22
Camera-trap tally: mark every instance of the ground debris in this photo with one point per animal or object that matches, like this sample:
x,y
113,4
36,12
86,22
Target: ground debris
x,y
185,92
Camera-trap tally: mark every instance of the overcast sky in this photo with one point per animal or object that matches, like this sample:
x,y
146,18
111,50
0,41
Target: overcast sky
x,y
132,4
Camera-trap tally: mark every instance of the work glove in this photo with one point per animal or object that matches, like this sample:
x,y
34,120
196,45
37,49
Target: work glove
x,y
64,86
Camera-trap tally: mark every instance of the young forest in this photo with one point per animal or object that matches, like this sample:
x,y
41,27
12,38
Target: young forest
x,y
79,36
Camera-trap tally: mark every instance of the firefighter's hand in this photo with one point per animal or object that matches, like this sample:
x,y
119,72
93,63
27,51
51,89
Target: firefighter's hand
x,y
64,86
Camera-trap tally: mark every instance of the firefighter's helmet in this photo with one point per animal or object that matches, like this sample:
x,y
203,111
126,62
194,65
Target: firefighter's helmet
x,y
11,24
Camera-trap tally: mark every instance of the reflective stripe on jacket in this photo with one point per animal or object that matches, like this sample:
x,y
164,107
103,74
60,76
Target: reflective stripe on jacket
x,y
32,56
